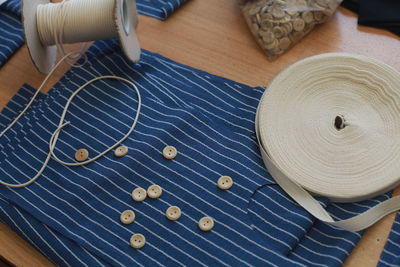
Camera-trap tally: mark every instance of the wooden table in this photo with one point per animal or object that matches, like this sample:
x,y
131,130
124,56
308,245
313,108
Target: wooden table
x,y
212,35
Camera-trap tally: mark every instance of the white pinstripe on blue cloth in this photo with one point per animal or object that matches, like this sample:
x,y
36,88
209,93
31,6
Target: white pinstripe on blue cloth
x,y
11,37
391,252
210,120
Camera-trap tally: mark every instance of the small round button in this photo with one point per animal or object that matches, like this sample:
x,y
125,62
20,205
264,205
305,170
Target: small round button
x,y
139,194
225,182
298,24
127,216
137,241
206,223
81,154
173,213
121,151
170,152
154,191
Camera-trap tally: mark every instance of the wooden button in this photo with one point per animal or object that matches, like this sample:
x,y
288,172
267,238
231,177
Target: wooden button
x,y
139,194
298,24
127,217
81,154
170,152
284,43
121,151
137,241
279,32
206,223
173,213
272,45
307,16
154,191
268,37
288,26
225,182
319,16
277,12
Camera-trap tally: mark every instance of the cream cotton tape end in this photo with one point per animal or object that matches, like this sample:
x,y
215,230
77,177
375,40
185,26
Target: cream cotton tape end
x,y
329,125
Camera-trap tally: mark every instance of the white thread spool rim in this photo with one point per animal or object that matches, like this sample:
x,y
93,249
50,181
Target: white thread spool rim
x,y
44,57
126,21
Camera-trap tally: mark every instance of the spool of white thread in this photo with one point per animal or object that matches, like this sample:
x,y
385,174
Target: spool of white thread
x,y
83,21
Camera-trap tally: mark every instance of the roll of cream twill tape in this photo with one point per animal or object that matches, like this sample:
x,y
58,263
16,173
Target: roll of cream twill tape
x,y
329,125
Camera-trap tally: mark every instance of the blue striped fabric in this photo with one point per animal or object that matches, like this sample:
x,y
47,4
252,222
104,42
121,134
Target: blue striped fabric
x,y
159,9
11,35
391,253
210,120
13,6
43,238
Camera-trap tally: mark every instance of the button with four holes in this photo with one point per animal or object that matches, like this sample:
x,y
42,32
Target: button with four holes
x,y
154,191
137,241
139,194
127,216
170,152
121,151
173,213
206,223
81,154
225,182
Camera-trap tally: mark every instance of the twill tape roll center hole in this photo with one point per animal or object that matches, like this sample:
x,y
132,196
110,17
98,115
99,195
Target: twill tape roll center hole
x,y
339,122
330,125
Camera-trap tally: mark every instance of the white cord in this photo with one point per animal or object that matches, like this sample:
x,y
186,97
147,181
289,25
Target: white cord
x,y
72,21
54,137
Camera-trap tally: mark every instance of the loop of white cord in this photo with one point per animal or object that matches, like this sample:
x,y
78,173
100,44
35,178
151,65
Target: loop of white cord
x,y
54,137
62,124
51,19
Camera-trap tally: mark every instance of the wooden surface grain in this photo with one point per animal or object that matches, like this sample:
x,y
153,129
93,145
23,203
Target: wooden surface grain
x,y
213,36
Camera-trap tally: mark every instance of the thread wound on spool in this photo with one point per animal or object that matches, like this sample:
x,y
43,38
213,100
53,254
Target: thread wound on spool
x,y
83,21
126,22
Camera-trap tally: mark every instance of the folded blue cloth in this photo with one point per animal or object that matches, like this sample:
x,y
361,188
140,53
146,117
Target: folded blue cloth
x,y
11,33
13,6
159,9
391,253
210,120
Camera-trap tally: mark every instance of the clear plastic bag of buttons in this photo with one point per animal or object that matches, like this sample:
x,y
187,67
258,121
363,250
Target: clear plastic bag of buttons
x,y
280,24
